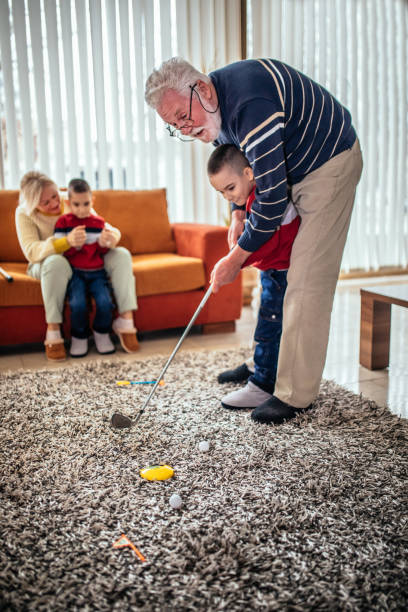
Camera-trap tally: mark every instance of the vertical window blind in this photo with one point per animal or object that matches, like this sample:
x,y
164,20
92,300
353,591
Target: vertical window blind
x,y
72,103
358,50
72,78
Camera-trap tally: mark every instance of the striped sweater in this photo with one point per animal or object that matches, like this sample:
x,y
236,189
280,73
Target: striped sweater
x,y
287,126
90,255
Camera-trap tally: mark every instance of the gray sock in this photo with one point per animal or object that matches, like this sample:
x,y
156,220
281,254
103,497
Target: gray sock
x,y
53,334
79,347
103,343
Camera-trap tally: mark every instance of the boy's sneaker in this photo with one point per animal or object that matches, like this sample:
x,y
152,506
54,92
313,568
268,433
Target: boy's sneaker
x,y
249,396
239,374
103,343
79,347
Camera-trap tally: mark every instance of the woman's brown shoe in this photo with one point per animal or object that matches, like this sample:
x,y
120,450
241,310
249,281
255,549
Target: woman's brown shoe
x,y
128,338
55,350
128,341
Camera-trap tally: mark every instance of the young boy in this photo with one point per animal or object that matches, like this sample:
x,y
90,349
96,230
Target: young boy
x,y
230,173
89,274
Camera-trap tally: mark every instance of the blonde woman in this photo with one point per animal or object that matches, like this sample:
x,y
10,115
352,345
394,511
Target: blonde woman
x,y
36,215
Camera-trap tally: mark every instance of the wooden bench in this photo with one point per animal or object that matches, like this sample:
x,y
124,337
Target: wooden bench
x,y
375,323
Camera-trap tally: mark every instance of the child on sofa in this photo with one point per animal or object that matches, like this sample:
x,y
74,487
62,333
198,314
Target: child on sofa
x,y
230,173
88,272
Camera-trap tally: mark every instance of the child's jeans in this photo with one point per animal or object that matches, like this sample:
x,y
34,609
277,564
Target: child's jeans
x,y
269,329
96,283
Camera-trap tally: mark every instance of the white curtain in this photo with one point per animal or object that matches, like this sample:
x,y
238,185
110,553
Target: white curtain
x,y
72,78
72,82
358,50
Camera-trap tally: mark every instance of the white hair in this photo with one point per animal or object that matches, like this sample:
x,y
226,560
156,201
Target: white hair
x,y
176,74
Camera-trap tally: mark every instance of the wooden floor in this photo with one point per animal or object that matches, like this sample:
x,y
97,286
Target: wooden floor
x,y
389,386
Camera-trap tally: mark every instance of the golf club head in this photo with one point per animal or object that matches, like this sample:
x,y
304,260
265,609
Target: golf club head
x,y
120,421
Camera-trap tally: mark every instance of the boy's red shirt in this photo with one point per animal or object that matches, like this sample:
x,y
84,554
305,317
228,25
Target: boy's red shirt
x,y
90,255
275,253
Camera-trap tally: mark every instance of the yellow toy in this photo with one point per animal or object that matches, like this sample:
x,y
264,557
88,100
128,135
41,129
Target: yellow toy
x,y
123,383
157,472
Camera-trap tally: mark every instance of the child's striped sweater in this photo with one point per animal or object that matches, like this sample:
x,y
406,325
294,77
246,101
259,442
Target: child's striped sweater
x,y
287,126
90,255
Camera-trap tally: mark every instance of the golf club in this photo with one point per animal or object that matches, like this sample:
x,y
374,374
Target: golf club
x,y
120,421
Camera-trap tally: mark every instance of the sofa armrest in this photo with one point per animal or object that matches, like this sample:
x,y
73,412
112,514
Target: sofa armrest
x,y
207,242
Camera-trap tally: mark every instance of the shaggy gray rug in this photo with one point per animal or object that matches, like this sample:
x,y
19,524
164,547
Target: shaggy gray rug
x,y
309,515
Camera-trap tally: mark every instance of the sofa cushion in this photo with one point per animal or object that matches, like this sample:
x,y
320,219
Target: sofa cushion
x,y
141,216
23,291
155,274
9,247
167,273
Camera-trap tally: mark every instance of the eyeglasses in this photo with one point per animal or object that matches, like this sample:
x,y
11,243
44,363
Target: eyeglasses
x,y
175,132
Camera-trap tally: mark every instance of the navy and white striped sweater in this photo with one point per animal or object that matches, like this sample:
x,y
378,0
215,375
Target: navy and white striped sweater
x,y
287,126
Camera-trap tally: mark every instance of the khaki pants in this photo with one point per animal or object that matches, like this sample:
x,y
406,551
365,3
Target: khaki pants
x,y
324,200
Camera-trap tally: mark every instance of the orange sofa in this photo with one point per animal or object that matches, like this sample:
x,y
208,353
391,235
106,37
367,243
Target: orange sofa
x,y
171,263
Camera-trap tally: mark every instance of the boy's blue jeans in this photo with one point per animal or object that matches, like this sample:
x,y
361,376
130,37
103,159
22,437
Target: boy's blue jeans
x,y
96,283
269,329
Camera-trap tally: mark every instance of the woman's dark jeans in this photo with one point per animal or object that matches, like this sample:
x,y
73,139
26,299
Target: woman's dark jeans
x,y
269,329
96,283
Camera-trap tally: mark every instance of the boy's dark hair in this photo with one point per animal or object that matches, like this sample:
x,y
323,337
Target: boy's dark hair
x,y
227,155
78,185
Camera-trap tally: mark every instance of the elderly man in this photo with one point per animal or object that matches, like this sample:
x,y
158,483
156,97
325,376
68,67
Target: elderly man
x,y
301,144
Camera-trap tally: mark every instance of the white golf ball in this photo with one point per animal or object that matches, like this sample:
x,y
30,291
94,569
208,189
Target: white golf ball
x,y
204,446
175,501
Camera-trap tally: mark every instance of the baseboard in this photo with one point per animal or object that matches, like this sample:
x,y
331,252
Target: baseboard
x,y
384,271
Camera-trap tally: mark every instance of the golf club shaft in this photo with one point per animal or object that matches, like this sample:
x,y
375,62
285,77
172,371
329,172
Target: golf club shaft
x,y
179,343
